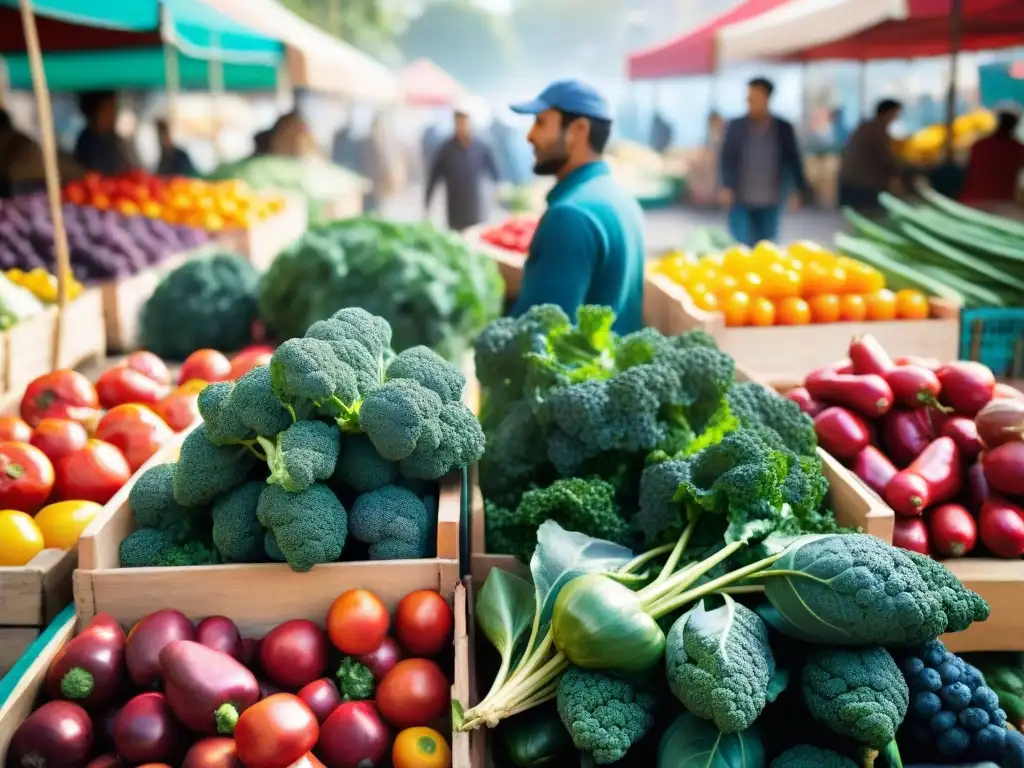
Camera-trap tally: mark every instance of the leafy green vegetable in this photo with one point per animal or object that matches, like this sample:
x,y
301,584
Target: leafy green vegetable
x,y
536,738
504,613
690,741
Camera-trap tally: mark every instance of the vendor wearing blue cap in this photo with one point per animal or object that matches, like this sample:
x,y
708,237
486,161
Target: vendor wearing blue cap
x,y
589,245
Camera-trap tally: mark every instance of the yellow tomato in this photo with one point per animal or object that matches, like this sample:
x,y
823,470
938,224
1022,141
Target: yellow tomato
x,y
762,311
881,305
20,538
737,260
793,310
705,300
736,307
727,284
807,251
852,308
780,282
420,748
192,387
819,278
862,278
824,308
766,252
751,284
912,305
716,260
62,523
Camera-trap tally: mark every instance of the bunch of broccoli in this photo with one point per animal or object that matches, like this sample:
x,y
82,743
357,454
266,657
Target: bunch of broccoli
x,y
337,439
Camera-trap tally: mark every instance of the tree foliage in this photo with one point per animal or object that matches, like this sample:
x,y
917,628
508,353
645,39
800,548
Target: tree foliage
x,y
362,23
570,36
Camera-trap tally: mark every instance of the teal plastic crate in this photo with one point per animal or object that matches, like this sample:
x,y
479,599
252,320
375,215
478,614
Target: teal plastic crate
x,y
994,337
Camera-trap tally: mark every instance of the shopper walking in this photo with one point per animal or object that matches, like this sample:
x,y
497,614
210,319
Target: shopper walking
x,y
868,165
462,163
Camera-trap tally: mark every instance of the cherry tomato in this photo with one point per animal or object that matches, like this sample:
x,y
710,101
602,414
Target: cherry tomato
x,y
205,364
852,308
122,385
751,284
881,305
762,312
421,748
191,387
13,429
63,522
276,732
242,364
780,282
59,437
357,622
135,431
912,305
26,477
793,310
863,278
824,308
60,394
736,308
415,692
178,409
423,623
149,365
93,473
705,300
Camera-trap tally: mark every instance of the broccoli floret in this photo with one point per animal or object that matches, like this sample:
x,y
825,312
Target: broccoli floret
x,y
351,347
604,715
961,606
152,501
805,486
394,522
694,338
756,405
658,515
397,415
501,347
461,443
303,454
307,376
220,420
237,533
271,549
514,455
806,756
309,527
255,406
155,548
361,468
639,347
355,680
719,664
857,692
425,366
372,332
204,470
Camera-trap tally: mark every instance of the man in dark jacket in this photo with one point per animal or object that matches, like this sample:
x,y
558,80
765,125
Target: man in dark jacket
x,y
461,163
760,168
99,147
174,161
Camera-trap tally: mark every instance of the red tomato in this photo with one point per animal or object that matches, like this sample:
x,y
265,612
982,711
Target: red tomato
x,y
26,477
276,732
205,364
122,385
93,473
150,365
59,437
423,623
414,692
61,395
135,431
178,409
242,364
14,429
357,622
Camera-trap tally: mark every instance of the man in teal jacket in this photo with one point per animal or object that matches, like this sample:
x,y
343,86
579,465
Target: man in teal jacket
x,y
589,245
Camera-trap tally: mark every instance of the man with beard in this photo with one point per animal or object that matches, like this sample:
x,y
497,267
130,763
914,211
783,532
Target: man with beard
x,y
589,244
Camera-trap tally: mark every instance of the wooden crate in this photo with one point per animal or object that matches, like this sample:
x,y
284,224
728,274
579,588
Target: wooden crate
x,y
84,337
788,353
278,602
261,242
510,264
1001,583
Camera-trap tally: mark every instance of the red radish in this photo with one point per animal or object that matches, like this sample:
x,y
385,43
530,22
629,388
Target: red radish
x,y
807,404
148,638
912,534
965,434
868,395
145,730
354,736
213,752
294,654
931,363
978,490
1006,391
841,432
874,468
57,735
1004,468
206,689
1002,527
966,387
1001,421
905,434
933,477
913,386
380,661
840,366
952,530
90,668
322,697
221,634
868,356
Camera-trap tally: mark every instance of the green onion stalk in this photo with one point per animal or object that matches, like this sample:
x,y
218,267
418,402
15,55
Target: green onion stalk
x,y
616,626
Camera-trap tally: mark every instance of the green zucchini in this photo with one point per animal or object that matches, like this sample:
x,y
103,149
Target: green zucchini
x,y
965,236
970,215
982,267
974,295
875,231
898,274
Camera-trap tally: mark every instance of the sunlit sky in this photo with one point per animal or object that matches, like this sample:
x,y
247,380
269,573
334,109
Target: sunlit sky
x,y
495,6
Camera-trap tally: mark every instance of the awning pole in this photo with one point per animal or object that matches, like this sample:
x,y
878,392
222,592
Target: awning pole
x,y
955,30
172,72
215,68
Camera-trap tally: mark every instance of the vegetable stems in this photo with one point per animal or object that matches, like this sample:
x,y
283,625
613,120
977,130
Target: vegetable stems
x,y
668,604
646,557
677,553
655,592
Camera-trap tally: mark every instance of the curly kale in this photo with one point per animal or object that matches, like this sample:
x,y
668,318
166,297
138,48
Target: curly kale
x,y
805,756
960,606
755,405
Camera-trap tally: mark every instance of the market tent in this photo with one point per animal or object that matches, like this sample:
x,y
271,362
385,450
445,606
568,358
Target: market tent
x,y
863,30
693,53
427,85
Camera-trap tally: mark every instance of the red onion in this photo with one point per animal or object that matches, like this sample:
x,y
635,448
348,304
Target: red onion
x,y
1001,421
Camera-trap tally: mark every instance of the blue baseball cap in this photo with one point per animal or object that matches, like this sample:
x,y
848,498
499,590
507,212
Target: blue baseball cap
x,y
567,96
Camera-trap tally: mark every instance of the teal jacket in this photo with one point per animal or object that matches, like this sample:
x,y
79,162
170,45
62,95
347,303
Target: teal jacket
x,y
588,249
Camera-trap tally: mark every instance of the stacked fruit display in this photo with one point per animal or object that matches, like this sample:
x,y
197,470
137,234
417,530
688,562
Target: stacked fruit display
x,y
208,205
42,284
790,285
512,235
941,443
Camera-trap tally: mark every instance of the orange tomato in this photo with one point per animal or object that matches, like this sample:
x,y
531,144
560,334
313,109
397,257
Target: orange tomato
x,y
128,208
819,278
152,209
213,222
881,305
63,522
420,748
762,311
807,251
793,310
852,308
780,282
102,202
751,284
912,305
824,308
736,307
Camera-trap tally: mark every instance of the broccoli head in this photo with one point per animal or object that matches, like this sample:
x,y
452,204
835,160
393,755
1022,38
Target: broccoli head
x,y
360,467
151,499
960,606
303,454
805,756
501,348
237,533
371,331
271,549
658,514
205,470
306,376
460,443
355,680
309,527
755,405
254,405
157,548
220,420
425,366
515,456
605,715
394,522
398,415
719,664
354,348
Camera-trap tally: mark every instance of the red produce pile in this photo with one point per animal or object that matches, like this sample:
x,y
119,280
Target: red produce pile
x,y
941,443
512,235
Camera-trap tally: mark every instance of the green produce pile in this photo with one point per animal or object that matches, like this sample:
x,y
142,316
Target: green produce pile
x,y
209,302
943,248
426,283
332,451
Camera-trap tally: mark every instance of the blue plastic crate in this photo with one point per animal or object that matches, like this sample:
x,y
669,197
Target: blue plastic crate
x,y
993,337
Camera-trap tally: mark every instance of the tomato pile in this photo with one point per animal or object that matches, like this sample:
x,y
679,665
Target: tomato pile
x,y
512,235
790,285
941,443
172,693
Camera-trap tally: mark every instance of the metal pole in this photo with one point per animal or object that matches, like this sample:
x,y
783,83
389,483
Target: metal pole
x,y
955,31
